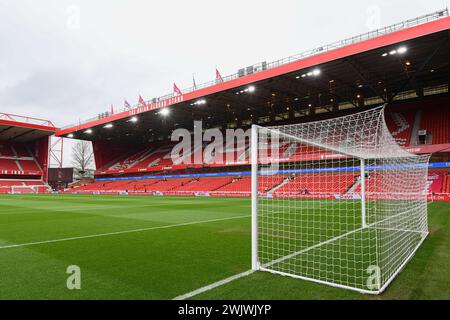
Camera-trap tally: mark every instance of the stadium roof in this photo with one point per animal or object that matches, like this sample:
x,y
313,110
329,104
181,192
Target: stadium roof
x,y
24,129
409,58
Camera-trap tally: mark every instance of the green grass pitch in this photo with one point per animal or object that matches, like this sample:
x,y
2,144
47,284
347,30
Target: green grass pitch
x,y
176,245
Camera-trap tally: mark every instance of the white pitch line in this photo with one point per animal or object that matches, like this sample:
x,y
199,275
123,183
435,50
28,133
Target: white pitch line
x,y
119,232
213,285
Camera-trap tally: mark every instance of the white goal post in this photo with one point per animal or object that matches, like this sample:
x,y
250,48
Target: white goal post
x,y
28,189
337,201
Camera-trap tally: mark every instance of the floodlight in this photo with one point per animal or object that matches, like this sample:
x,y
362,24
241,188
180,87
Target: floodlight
x,y
164,112
402,50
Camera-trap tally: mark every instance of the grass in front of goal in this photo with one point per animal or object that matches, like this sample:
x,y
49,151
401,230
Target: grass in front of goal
x,y
161,247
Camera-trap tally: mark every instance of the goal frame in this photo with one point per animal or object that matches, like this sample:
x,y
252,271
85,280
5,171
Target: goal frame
x,y
255,264
35,188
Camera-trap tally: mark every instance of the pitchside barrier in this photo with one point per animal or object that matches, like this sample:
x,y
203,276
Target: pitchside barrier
x,y
238,194
242,194
278,193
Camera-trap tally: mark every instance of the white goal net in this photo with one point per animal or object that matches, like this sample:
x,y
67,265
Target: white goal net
x,y
337,201
28,189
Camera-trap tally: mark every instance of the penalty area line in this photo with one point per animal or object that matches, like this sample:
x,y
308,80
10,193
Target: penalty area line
x,y
213,285
120,232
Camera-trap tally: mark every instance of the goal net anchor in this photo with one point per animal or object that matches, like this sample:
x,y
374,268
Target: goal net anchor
x,y
347,200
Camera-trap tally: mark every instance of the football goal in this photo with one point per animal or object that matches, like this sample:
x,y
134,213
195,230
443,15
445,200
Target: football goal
x,y
337,201
28,189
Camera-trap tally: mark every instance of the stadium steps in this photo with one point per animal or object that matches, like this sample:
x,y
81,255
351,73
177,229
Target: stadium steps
x,y
130,160
118,159
285,181
237,185
147,155
37,164
400,121
183,184
164,153
354,186
143,156
154,163
416,128
226,184
13,151
290,150
18,165
189,154
140,156
205,184
142,185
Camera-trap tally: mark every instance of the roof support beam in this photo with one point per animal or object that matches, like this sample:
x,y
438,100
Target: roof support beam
x,y
358,69
419,70
6,129
21,135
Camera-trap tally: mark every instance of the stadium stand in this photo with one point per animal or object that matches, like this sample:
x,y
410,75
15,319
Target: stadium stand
x,y
9,164
305,184
224,185
238,184
156,157
24,151
446,184
436,122
204,184
140,146
400,124
439,182
16,157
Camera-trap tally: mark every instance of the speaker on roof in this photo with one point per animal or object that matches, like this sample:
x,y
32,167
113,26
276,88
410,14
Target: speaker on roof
x,y
264,65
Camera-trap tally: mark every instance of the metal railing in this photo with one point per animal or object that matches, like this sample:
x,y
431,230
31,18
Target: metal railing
x,y
23,119
262,66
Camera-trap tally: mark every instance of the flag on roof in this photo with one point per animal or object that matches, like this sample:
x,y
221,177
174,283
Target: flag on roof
x,y
176,89
218,76
141,101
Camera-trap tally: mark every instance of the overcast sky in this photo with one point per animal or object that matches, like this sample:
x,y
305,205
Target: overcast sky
x,y
65,60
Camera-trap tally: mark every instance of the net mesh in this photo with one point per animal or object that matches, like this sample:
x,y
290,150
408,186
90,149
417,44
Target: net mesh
x,y
28,189
339,201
